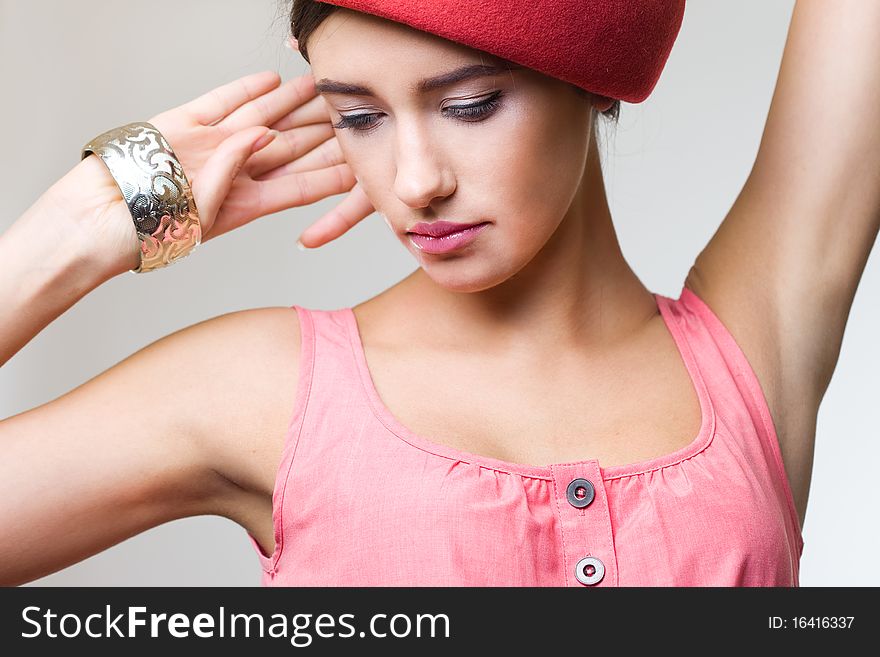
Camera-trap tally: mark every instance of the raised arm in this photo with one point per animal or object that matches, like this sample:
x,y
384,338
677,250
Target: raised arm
x,y
792,249
167,433
782,269
189,425
170,431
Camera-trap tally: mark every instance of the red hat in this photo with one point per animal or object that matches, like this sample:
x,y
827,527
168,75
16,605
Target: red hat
x,y
613,48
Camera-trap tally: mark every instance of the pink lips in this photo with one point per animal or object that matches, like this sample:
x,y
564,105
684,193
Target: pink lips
x,y
439,228
444,236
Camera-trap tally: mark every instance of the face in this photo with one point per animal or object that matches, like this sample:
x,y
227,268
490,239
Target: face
x,y
506,150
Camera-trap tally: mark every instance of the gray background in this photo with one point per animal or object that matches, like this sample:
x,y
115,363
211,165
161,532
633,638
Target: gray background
x,y
71,70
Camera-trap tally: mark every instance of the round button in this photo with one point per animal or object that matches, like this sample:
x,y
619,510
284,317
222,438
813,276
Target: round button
x,y
580,493
589,570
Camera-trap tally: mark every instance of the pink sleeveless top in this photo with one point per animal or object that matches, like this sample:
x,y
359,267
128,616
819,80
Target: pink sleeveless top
x,y
360,500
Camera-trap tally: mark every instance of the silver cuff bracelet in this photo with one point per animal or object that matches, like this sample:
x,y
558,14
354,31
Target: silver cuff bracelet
x,y
155,189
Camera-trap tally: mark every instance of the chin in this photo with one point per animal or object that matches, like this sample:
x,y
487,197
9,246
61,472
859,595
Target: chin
x,y
455,275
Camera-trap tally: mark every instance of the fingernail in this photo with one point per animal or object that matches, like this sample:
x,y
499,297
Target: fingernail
x,y
300,245
264,140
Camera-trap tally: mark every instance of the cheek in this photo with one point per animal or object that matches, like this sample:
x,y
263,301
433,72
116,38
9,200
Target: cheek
x,y
367,166
353,154
533,173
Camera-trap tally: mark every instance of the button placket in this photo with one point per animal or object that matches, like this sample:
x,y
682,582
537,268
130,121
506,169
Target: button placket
x,y
584,520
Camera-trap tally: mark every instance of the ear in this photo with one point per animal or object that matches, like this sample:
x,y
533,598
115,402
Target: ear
x,y
293,44
602,103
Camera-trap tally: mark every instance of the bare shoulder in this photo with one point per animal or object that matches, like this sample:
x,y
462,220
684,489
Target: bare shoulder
x,y
248,392
191,424
752,317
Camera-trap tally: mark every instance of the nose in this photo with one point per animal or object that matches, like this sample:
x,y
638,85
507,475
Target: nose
x,y
423,174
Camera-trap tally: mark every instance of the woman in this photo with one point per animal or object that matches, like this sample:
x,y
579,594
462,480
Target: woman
x,y
541,289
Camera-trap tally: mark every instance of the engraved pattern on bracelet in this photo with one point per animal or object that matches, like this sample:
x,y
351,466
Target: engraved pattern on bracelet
x,y
155,189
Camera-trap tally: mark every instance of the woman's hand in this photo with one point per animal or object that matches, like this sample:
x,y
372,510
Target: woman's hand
x,y
236,179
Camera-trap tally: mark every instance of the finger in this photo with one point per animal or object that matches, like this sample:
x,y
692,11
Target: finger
x,y
212,106
314,111
300,189
288,147
352,209
215,179
271,107
327,154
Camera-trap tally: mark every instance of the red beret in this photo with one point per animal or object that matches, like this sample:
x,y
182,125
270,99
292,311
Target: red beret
x,y
613,48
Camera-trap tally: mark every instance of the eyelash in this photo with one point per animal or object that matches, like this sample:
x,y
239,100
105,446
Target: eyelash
x,y
362,123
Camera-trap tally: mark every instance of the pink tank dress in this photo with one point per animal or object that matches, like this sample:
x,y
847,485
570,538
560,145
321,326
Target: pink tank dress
x,y
360,500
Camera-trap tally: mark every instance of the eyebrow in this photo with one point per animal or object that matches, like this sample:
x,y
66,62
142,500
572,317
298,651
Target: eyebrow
x,y
468,72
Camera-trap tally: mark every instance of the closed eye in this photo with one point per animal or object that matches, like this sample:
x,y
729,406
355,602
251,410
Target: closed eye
x,y
363,123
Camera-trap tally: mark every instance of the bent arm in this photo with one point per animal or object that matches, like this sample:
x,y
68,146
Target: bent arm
x,y
186,426
98,465
75,237
95,466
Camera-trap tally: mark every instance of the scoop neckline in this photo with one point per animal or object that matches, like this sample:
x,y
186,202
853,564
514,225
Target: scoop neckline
x,y
396,427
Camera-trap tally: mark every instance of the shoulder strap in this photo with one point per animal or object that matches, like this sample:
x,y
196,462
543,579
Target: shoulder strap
x,y
733,366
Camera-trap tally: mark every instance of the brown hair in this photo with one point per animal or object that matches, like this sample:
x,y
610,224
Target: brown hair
x,y
306,15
